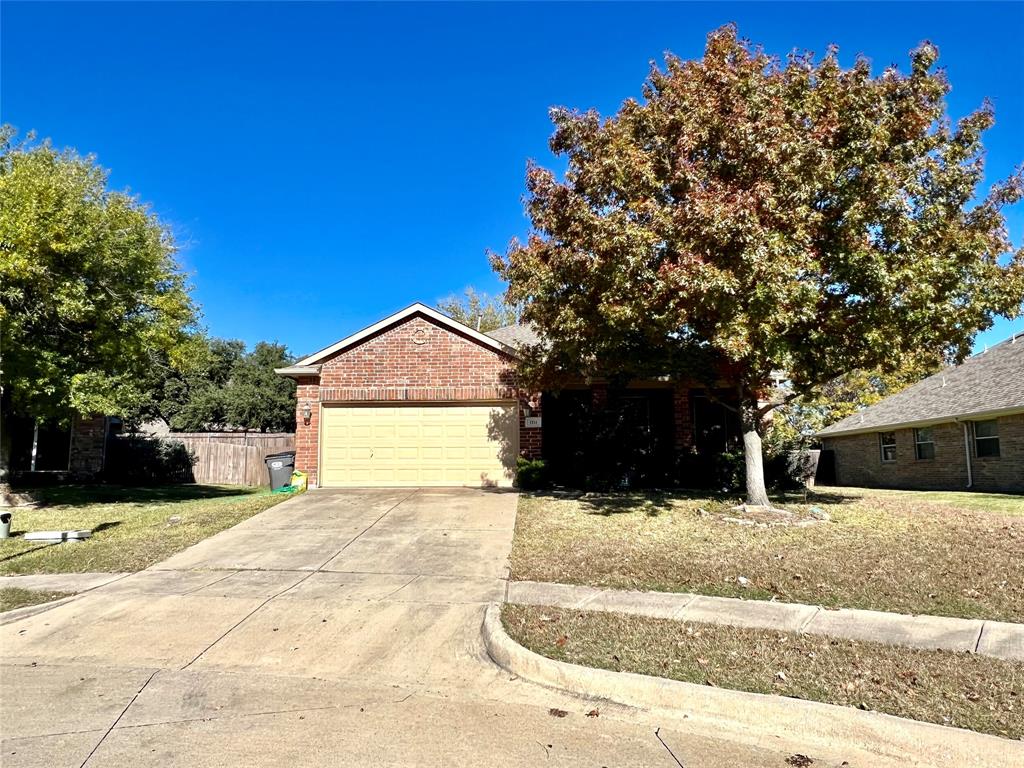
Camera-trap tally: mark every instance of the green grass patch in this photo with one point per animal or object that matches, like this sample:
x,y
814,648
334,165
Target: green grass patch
x,y
954,689
133,528
16,597
909,552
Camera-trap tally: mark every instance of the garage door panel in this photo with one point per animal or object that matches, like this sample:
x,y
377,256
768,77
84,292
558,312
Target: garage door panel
x,y
418,445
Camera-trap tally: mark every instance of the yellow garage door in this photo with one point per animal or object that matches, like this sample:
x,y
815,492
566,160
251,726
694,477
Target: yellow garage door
x,y
418,445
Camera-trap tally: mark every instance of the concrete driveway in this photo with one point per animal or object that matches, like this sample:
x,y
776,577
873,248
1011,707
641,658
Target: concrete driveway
x,y
338,628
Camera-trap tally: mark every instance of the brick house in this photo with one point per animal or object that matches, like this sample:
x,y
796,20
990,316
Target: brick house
x,y
72,448
962,428
420,399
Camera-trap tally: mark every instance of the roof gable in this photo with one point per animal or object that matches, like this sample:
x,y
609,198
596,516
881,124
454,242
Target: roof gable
x,y
392,320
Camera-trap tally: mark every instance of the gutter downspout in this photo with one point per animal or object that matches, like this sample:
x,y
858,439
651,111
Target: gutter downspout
x,y
967,454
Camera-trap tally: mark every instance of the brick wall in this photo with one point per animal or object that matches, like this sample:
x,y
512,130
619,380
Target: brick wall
x,y
859,463
416,360
683,417
88,437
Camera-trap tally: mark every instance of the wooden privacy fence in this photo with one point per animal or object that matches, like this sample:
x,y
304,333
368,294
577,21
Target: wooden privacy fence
x,y
232,458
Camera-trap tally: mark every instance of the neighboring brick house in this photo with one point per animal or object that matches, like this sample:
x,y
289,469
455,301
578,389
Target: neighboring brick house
x,y
962,428
421,399
73,448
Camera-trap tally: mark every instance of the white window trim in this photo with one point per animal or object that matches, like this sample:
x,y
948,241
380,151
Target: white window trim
x,y
977,439
882,446
918,442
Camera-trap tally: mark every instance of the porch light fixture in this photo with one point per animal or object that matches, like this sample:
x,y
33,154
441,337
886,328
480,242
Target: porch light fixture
x,y
307,413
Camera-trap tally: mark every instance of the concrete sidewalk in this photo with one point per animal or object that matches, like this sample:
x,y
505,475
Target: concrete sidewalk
x,y
989,638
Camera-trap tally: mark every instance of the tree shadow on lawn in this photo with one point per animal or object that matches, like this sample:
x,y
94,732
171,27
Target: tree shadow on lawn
x,y
655,502
817,496
651,502
84,495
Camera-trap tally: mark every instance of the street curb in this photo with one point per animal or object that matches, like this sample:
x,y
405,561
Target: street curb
x,y
826,728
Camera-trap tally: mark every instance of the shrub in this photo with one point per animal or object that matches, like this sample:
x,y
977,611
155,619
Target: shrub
x,y
134,460
729,470
531,474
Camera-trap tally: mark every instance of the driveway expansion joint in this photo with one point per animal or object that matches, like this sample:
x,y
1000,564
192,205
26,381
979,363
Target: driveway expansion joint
x,y
118,718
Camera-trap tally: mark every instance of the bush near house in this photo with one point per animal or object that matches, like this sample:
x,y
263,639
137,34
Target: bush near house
x,y
137,460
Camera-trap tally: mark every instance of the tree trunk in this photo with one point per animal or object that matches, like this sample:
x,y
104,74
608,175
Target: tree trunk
x,y
753,425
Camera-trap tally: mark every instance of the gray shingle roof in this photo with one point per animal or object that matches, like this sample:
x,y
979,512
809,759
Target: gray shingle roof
x,y
989,382
516,336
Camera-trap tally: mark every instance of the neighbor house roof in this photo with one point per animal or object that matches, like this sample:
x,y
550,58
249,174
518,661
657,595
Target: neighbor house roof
x,y
306,366
988,384
516,336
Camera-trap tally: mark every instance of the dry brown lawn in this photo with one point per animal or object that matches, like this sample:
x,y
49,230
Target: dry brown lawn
x,y
955,689
952,554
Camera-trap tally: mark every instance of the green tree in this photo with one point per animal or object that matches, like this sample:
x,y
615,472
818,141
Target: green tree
x,y
751,214
256,397
224,388
90,293
479,310
189,397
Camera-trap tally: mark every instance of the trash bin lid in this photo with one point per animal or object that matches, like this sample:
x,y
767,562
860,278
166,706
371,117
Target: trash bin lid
x,y
282,454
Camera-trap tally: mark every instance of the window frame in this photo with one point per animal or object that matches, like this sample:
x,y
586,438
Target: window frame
x,y
918,442
882,445
978,439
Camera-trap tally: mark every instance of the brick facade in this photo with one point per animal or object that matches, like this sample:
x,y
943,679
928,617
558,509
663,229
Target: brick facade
x,y
858,460
88,444
683,416
416,360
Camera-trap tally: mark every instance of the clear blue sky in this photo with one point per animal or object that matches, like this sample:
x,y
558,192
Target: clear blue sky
x,y
323,165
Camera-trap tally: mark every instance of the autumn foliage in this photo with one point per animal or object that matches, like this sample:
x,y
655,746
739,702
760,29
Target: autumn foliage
x,y
751,214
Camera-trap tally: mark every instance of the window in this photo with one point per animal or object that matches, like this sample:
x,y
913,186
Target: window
x,y
924,443
986,438
888,442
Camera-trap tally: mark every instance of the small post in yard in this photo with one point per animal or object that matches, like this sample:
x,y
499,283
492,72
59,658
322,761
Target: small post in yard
x,y
35,444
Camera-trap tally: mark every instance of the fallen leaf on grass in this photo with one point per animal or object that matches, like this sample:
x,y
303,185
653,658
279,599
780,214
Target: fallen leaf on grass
x,y
556,712
562,641
593,713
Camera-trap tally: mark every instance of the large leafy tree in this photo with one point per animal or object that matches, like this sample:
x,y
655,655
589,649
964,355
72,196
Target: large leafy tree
x,y
223,388
256,397
751,214
479,310
187,397
90,293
